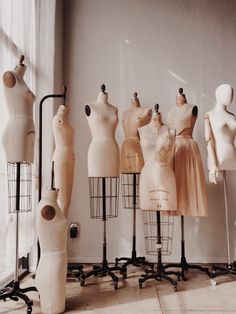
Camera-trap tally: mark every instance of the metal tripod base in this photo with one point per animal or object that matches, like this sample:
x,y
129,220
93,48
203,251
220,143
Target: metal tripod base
x,y
135,260
222,271
102,271
15,293
159,274
185,266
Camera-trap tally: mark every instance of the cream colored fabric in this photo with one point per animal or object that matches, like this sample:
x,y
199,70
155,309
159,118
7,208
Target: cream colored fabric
x,y
157,180
188,168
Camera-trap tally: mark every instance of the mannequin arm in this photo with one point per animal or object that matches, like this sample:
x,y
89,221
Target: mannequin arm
x,y
213,172
9,79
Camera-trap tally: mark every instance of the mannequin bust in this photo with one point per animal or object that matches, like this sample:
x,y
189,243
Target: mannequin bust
x,y
131,153
188,168
50,280
63,157
103,153
183,117
18,137
157,179
220,133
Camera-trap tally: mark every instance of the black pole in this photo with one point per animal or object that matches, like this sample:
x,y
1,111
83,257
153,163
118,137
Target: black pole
x,y
104,220
16,279
134,254
159,262
41,135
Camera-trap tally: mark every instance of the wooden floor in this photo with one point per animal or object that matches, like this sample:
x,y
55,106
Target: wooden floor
x,y
195,296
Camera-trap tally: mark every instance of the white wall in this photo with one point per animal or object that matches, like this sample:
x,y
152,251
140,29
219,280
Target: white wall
x,y
152,47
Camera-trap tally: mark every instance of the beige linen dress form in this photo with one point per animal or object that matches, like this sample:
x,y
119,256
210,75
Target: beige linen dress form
x,y
188,168
131,153
157,179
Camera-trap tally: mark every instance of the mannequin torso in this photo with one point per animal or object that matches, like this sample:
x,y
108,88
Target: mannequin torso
x,y
51,226
220,133
18,138
131,153
63,157
188,168
157,181
103,153
182,119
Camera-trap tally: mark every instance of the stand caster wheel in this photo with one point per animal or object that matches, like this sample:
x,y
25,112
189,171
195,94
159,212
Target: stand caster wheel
x,y
175,288
29,310
140,285
115,285
213,282
124,275
82,283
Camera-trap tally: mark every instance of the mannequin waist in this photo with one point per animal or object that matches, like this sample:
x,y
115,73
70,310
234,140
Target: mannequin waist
x,y
64,147
50,253
156,164
20,116
185,135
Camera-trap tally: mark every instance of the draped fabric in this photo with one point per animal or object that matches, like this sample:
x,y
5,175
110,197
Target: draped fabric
x,y
26,27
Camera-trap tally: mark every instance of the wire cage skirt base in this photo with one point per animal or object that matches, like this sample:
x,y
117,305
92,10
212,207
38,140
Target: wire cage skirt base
x,y
104,190
129,182
150,233
25,187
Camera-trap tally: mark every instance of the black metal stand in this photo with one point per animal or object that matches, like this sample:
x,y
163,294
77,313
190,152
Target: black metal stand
x,y
134,259
184,265
103,269
71,266
159,273
230,268
15,292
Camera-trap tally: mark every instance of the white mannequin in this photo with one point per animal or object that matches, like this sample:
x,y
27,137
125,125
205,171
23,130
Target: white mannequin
x,y
220,133
50,280
131,153
18,137
188,168
103,153
63,157
157,180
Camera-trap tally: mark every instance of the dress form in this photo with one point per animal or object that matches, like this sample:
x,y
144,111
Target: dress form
x,y
103,153
157,180
51,226
189,172
131,153
220,133
63,157
18,137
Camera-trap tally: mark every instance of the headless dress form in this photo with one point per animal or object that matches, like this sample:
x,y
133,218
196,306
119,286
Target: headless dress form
x,y
63,157
157,179
220,129
189,172
131,153
18,137
52,268
103,153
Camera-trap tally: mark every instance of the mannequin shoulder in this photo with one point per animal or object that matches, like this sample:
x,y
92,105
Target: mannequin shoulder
x,y
144,130
9,79
195,111
114,108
